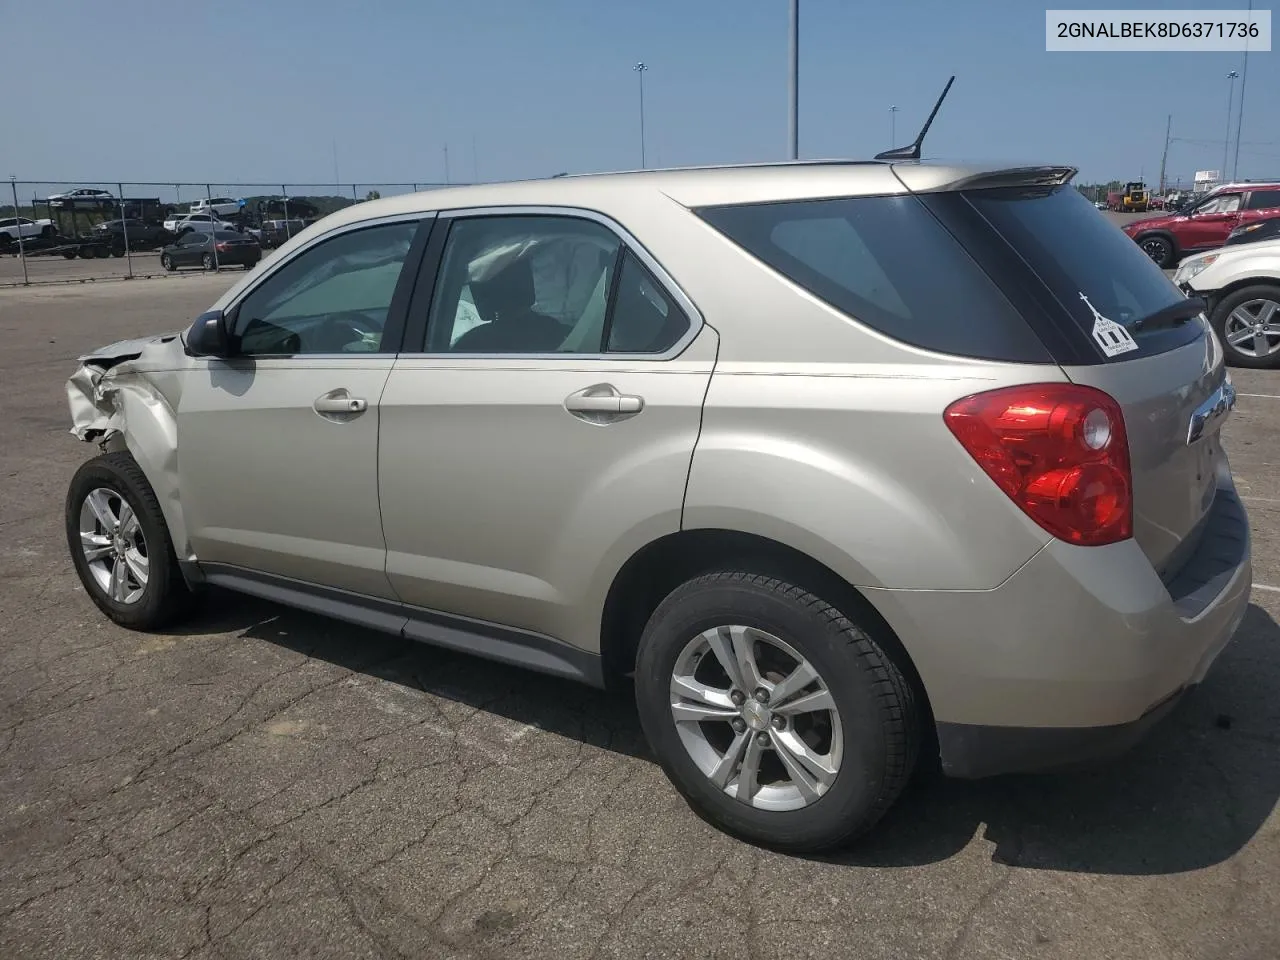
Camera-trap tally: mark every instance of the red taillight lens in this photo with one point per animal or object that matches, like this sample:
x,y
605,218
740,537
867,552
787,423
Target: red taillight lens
x,y
220,247
1059,451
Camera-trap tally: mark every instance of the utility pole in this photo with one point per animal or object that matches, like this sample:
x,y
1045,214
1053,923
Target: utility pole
x,y
1226,139
446,164
640,68
1244,78
793,84
1164,157
893,118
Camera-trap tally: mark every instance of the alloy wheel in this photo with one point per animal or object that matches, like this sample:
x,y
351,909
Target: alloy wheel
x,y
114,546
1253,328
756,718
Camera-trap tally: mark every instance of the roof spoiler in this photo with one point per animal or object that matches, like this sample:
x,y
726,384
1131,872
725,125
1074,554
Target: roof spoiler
x,y
1038,176
912,152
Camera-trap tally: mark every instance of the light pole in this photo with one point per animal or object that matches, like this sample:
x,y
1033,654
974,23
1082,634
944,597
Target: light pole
x,y
793,83
1244,79
640,68
1226,140
893,117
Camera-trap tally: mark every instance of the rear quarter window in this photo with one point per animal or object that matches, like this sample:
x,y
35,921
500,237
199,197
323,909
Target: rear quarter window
x,y
888,263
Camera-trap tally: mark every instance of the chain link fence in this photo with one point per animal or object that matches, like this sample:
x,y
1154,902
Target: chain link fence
x,y
61,231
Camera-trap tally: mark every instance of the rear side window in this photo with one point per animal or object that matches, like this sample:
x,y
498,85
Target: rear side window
x,y
1264,199
1090,268
888,263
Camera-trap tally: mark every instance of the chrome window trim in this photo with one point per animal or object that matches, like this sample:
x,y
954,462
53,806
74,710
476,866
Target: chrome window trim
x,y
234,305
627,239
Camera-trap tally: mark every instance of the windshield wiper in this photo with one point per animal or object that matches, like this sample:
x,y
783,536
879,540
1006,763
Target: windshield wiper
x,y
1172,315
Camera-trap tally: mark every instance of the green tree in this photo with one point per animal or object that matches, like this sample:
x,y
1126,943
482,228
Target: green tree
x,y
372,195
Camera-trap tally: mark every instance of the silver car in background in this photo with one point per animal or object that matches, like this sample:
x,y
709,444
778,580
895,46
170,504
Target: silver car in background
x,y
844,468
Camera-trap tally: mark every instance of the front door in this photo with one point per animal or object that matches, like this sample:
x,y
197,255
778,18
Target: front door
x,y
1211,222
278,446
545,431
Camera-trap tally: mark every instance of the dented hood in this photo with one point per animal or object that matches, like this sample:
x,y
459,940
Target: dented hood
x,y
122,350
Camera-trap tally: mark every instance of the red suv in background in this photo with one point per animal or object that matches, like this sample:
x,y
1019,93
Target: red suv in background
x,y
1206,224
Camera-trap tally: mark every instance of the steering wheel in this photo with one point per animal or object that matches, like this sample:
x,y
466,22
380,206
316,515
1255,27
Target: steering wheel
x,y
350,326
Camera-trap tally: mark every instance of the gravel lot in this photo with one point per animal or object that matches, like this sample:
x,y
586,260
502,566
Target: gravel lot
x,y
267,784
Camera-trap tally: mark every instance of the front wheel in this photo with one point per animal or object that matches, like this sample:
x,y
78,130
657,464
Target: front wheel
x,y
166,261
1248,324
120,544
776,716
1159,249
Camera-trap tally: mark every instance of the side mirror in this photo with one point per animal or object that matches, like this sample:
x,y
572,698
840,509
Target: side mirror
x,y
208,336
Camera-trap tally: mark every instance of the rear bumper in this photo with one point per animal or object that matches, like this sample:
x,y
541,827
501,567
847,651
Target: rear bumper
x,y
1078,653
972,751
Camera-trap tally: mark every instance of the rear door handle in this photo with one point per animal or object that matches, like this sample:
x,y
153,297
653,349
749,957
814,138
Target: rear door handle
x,y
340,401
602,402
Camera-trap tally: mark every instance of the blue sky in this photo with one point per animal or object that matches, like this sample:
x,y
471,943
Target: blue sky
x,y
240,91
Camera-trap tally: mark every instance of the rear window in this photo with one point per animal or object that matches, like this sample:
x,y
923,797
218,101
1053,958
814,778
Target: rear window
x,y
1091,268
888,263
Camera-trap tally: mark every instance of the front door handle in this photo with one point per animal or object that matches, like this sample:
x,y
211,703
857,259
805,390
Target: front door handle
x,y
340,402
602,403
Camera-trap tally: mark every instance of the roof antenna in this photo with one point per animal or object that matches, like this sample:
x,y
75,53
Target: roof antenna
x,y
913,151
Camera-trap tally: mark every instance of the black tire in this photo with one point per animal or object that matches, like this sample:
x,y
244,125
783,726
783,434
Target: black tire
x,y
166,262
875,702
69,254
166,596
1160,249
250,265
1222,312
207,262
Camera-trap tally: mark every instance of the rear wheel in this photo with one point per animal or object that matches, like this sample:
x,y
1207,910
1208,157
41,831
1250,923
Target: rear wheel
x,y
1159,249
775,715
1248,323
120,544
208,261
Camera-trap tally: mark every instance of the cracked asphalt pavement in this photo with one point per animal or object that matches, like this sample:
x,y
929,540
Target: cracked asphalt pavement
x,y
267,784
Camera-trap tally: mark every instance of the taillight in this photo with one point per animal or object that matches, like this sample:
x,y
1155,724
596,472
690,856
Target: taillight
x,y
220,247
1059,451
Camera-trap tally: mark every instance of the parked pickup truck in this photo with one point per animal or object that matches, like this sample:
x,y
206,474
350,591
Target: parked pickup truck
x,y
141,235
14,227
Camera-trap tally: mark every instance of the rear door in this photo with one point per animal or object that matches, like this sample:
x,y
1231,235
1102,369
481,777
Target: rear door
x,y
1260,204
543,431
1101,292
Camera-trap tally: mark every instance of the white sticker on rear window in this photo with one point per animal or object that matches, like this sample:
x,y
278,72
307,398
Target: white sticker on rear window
x,y
1109,335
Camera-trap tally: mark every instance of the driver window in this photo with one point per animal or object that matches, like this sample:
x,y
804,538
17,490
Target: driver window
x,y
332,298
1224,203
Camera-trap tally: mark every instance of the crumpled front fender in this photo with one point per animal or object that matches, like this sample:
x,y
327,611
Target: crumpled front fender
x,y
126,396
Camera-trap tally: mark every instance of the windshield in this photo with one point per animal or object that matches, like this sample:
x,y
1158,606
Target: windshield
x,y
1096,274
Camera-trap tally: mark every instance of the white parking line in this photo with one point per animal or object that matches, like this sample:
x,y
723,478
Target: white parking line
x,y
1267,587
1260,396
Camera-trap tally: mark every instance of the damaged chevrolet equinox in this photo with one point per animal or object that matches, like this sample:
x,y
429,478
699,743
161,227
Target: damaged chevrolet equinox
x,y
844,468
